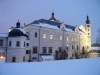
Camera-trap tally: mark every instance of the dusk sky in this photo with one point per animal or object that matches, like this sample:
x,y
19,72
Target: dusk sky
x,y
72,12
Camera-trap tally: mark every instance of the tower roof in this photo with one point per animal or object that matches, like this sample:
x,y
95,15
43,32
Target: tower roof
x,y
52,17
17,31
87,21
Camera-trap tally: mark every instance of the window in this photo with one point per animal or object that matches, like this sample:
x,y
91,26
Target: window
x,y
34,58
88,29
87,47
59,49
44,50
13,59
60,37
51,36
88,25
88,34
27,52
35,49
9,43
50,49
1,42
44,36
24,44
18,43
35,34
66,38
27,44
72,47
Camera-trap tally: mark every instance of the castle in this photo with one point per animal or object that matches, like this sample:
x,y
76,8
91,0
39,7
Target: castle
x,y
43,39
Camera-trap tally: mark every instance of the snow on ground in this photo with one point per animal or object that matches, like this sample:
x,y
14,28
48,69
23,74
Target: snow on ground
x,y
89,66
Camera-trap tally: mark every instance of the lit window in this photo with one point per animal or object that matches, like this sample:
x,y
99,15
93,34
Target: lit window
x,y
44,35
66,38
51,36
1,42
60,37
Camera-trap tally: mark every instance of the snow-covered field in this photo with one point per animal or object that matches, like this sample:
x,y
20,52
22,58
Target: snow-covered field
x,y
89,66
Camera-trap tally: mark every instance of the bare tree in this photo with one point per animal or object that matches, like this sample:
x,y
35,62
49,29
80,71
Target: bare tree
x,y
98,38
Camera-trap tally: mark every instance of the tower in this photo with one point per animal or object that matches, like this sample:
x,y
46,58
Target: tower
x,y
88,29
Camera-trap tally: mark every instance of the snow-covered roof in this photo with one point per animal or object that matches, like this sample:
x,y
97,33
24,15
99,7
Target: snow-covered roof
x,y
46,25
3,35
21,30
68,29
81,27
47,57
95,48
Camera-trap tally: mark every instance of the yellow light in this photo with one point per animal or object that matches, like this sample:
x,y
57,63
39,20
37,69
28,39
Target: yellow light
x,y
44,35
51,36
1,56
60,37
66,38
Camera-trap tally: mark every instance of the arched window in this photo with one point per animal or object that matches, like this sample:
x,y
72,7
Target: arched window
x,y
83,51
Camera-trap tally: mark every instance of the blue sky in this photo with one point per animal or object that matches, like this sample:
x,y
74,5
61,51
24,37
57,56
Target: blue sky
x,y
72,12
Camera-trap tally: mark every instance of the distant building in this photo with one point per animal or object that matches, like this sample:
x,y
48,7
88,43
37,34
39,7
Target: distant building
x,y
42,38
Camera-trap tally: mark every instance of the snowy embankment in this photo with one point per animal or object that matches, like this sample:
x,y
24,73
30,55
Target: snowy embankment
x,y
89,66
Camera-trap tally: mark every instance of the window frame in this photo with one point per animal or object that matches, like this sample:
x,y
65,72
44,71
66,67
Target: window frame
x,y
44,49
44,36
35,49
50,49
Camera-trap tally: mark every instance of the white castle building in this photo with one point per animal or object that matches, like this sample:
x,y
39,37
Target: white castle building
x,y
44,39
